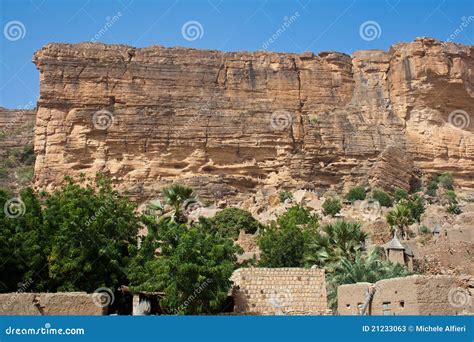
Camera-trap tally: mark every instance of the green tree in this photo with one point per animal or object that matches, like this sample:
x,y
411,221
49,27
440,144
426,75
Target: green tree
x,y
401,218
453,207
193,268
364,267
356,193
93,233
331,206
175,196
382,197
335,241
23,242
416,206
230,221
285,241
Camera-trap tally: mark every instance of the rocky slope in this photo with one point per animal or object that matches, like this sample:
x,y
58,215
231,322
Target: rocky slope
x,y
227,123
16,147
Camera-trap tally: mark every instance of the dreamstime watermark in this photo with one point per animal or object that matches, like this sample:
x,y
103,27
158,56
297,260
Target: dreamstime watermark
x,y
14,30
109,22
198,289
280,299
103,119
14,208
370,30
103,297
459,297
286,24
192,30
459,119
46,330
466,21
102,209
281,120
22,287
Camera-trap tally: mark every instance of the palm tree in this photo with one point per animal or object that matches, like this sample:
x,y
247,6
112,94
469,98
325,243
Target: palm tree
x,y
175,196
400,217
340,240
365,267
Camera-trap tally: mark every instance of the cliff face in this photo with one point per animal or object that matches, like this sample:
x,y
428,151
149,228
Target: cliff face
x,y
228,122
16,147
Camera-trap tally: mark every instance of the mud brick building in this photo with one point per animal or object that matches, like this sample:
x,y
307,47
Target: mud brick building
x,y
412,295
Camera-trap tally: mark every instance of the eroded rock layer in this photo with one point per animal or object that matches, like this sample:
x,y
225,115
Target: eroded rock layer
x,y
228,122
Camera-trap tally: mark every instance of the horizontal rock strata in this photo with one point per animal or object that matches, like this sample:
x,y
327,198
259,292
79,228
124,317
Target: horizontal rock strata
x,y
229,122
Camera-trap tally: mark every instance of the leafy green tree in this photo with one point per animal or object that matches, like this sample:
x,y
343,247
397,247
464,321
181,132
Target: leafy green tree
x,y
416,206
24,243
193,268
335,241
331,206
175,196
285,241
400,217
382,197
363,267
432,187
93,233
356,193
230,221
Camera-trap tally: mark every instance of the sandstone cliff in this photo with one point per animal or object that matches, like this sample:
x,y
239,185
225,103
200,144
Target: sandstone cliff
x,y
228,122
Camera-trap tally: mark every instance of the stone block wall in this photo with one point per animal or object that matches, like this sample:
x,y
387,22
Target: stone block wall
x,y
279,291
38,304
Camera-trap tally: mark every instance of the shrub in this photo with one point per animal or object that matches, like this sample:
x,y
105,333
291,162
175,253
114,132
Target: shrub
x,y
356,193
382,197
424,230
331,206
400,194
298,215
284,195
453,207
446,181
230,221
432,187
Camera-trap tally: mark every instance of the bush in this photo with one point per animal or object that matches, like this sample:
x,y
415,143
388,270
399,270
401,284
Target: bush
x,y
432,187
424,230
453,207
298,215
331,206
284,195
382,197
400,194
446,181
230,221
356,193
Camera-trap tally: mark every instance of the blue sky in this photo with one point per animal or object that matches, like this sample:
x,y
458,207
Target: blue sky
x,y
229,25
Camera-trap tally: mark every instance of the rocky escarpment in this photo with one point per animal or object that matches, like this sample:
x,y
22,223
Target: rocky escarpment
x,y
226,123
16,147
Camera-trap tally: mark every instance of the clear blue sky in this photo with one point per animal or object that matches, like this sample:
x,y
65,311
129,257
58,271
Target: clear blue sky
x,y
227,25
